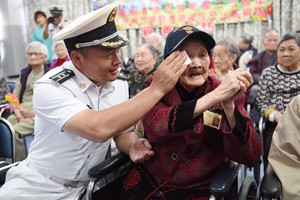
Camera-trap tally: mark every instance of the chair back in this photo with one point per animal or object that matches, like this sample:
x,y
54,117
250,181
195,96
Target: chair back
x,y
7,140
11,85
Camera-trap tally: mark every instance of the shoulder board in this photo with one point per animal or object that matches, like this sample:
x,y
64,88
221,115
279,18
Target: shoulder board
x,y
62,76
122,76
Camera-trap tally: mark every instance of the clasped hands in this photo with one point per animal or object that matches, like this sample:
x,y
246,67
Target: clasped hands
x,y
24,115
233,86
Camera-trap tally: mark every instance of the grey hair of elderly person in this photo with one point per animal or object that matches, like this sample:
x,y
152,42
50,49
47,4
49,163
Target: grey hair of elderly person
x,y
290,36
150,47
159,39
247,38
231,46
38,45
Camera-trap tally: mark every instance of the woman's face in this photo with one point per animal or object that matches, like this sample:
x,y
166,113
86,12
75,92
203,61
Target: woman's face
x,y
288,55
144,60
196,73
61,51
40,19
221,59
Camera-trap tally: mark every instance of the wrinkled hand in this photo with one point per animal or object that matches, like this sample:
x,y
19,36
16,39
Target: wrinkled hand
x,y
277,117
233,86
168,72
26,113
141,151
216,73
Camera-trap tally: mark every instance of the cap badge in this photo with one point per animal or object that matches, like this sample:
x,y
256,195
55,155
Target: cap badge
x,y
55,8
82,85
112,15
188,29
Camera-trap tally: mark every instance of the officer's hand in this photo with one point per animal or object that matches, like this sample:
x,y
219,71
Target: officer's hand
x,y
168,72
141,151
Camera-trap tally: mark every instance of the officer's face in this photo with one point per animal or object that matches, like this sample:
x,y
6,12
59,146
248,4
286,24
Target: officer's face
x,y
100,65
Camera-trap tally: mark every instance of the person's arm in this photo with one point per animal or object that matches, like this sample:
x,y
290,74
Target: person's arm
x,y
264,94
232,87
46,32
130,144
101,125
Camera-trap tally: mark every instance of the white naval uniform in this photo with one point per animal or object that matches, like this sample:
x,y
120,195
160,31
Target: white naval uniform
x,y
58,153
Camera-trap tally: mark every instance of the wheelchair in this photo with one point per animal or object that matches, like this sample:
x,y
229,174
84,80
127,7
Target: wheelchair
x,y
224,186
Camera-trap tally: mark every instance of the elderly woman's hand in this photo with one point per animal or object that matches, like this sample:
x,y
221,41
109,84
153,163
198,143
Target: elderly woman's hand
x,y
234,85
216,73
141,151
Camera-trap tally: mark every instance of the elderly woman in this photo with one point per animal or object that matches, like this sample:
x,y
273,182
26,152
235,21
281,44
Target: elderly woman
x,y
195,128
224,55
144,65
278,85
61,53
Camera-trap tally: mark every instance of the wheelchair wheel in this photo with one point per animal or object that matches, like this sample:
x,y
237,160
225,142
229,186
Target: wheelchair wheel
x,y
248,189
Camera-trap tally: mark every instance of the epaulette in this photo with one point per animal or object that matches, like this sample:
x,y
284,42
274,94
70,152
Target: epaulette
x,y
122,76
62,76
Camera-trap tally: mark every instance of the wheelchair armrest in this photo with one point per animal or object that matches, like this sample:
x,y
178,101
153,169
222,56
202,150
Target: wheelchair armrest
x,y
270,185
109,165
224,178
4,167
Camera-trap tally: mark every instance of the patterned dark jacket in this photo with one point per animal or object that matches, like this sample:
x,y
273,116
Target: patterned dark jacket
x,y
136,81
260,62
4,89
188,154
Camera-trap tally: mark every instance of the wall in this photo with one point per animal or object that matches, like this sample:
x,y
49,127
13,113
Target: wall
x,y
13,34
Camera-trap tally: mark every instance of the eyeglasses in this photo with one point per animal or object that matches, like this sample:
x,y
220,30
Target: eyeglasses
x,y
33,53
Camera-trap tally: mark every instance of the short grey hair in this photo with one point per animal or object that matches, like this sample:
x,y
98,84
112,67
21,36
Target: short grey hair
x,y
38,45
271,31
231,46
247,38
159,39
150,47
290,36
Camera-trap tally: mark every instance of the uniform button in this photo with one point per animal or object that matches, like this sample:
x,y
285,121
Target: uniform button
x,y
78,173
89,156
174,156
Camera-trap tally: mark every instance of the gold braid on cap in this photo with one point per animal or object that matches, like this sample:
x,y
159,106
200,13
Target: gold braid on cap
x,y
96,42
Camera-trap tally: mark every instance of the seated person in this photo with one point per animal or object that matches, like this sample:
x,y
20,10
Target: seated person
x,y
195,128
61,53
157,41
267,57
144,66
278,85
284,155
224,54
23,120
245,45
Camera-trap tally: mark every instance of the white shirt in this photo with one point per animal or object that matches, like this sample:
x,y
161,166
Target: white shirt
x,y
59,153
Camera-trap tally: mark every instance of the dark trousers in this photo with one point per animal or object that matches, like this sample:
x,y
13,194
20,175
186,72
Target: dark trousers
x,y
267,139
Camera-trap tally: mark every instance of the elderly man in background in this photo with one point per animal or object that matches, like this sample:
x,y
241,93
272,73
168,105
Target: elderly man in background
x,y
267,57
23,119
